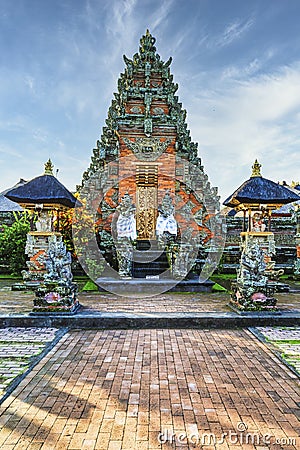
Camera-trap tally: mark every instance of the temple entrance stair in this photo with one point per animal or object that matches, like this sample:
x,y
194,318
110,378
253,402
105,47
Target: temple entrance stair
x,y
149,260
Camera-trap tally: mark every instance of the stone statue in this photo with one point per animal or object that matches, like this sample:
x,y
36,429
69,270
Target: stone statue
x,y
251,291
257,222
166,222
297,267
126,223
252,266
44,222
186,254
58,292
58,263
126,233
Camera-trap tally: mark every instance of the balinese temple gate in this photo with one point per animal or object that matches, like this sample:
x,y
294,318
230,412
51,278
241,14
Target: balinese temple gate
x,y
155,213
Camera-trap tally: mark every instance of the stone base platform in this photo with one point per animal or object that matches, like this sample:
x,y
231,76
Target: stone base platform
x,y
168,310
121,320
149,286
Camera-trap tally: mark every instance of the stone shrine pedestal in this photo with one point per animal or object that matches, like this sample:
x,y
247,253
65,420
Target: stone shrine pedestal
x,y
49,273
253,291
37,245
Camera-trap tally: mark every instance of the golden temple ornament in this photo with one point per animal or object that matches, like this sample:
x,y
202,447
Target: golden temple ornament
x,y
256,169
49,167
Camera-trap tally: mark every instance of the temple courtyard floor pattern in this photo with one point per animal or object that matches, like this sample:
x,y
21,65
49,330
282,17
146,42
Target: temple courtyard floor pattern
x,y
136,389
149,388
12,302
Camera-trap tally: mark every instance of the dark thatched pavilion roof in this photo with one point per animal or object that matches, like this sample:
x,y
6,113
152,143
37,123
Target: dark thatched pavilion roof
x,y
259,190
45,189
7,205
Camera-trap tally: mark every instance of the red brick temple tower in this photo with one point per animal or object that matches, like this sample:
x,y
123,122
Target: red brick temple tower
x,y
147,153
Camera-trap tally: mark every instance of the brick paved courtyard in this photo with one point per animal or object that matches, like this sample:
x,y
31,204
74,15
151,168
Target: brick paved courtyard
x,y
121,389
22,302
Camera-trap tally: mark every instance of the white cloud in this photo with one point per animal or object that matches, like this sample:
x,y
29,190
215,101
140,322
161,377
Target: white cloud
x,y
8,150
240,121
30,82
233,31
160,16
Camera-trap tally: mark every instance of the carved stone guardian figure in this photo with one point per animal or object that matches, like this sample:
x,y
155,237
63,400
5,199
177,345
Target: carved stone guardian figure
x,y
126,233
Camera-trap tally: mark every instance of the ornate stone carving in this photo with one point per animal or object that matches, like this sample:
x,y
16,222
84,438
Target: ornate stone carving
x,y
185,255
147,149
126,233
136,110
158,111
166,222
148,126
146,102
124,254
58,263
252,290
57,292
147,203
126,225
44,222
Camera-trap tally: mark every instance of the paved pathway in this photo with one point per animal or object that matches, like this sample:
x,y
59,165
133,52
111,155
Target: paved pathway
x,y
125,389
18,349
12,302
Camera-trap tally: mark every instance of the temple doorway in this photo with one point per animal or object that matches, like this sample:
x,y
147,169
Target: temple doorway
x,y
146,201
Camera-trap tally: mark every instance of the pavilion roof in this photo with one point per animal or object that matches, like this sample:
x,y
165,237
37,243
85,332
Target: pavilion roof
x,y
259,190
7,205
45,189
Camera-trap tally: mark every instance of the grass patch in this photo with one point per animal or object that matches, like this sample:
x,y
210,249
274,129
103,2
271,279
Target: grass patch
x,y
218,288
10,277
223,276
90,286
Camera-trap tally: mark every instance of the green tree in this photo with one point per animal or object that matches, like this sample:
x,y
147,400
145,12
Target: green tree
x,y
12,243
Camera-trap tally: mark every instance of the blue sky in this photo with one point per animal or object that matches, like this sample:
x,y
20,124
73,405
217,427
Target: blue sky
x,y
237,64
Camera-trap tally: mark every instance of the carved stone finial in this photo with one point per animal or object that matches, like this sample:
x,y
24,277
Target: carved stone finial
x,y
49,167
147,48
256,169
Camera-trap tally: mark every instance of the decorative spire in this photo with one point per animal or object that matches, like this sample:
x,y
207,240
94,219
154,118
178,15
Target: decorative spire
x,y
49,167
256,169
147,48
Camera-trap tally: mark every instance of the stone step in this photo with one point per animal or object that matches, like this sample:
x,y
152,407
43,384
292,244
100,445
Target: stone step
x,y
121,320
145,244
149,256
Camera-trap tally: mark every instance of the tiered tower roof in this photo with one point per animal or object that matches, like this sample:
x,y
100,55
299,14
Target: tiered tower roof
x,y
148,79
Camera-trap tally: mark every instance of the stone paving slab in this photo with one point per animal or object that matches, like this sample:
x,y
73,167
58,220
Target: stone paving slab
x,y
14,335
286,341
155,389
280,333
18,349
12,303
169,310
